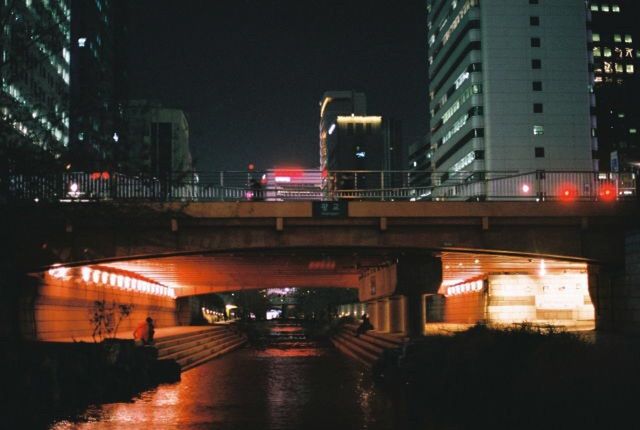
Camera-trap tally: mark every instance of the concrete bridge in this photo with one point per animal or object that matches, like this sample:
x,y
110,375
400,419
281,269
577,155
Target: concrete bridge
x,y
396,253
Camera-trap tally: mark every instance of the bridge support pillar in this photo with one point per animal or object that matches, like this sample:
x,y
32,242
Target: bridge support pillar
x,y
417,273
372,311
397,314
383,315
615,291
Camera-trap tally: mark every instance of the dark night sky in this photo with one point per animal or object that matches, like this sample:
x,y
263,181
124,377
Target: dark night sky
x,y
249,73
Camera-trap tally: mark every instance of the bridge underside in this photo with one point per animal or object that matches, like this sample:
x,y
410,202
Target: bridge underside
x,y
216,272
151,255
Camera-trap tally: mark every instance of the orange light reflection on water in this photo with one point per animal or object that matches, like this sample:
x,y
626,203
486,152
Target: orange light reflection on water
x,y
298,352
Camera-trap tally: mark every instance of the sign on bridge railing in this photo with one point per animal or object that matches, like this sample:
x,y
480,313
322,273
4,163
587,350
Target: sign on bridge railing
x,y
338,209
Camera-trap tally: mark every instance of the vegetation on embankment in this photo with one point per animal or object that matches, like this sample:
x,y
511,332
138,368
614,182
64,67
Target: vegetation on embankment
x,y
517,378
45,380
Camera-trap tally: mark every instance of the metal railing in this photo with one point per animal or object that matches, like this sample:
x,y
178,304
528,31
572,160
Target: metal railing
x,y
309,185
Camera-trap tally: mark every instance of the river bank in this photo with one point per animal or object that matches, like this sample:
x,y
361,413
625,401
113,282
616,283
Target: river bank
x,y
523,377
47,379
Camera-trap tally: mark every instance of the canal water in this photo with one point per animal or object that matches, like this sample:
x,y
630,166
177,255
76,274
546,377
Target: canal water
x,y
287,382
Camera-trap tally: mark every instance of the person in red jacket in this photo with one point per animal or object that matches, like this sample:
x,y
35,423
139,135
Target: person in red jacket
x,y
144,332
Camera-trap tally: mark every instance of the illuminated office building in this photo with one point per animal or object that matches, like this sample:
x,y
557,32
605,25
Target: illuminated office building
x,y
508,87
35,74
98,76
614,39
350,139
332,105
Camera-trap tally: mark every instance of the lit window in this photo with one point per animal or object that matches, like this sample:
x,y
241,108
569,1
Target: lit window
x,y
595,8
621,115
595,37
628,38
605,8
619,68
597,52
607,52
615,8
617,38
632,131
82,42
608,67
630,68
538,130
80,136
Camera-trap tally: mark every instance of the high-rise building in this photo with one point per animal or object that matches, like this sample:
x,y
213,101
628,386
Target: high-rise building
x,y
420,162
34,69
614,40
160,140
352,140
98,77
508,87
332,105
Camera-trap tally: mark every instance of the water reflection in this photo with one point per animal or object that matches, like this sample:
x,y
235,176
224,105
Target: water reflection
x,y
288,385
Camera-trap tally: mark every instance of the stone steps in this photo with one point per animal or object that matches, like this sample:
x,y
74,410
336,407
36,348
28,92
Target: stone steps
x,y
196,360
348,349
166,352
368,347
363,343
178,339
384,340
196,347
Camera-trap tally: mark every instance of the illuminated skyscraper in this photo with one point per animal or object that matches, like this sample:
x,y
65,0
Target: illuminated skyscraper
x,y
98,76
352,140
508,87
332,105
614,38
34,68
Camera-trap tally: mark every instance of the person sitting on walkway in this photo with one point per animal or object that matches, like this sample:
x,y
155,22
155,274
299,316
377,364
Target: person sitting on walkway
x,y
364,326
144,332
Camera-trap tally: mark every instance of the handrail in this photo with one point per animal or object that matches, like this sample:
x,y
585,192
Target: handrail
x,y
293,184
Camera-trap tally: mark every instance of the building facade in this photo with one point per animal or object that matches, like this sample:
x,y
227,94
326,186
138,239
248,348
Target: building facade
x,y
508,87
159,139
35,74
614,38
332,105
351,140
98,77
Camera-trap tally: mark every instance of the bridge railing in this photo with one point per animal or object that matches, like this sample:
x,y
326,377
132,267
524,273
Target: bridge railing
x,y
332,185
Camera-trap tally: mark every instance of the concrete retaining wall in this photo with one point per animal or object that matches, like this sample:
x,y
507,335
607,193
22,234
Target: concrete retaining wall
x,y
63,308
